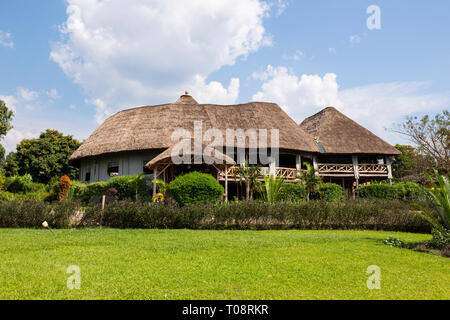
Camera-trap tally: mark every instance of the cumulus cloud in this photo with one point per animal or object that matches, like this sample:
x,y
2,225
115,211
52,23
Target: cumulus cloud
x,y
375,106
25,123
151,51
298,96
354,39
6,39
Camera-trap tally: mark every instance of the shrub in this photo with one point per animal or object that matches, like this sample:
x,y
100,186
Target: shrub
x,y
64,187
195,187
247,215
293,192
329,192
22,184
2,182
31,214
398,191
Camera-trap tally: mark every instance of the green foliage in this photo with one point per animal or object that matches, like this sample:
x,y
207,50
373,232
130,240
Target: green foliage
x,y
31,213
248,174
195,187
11,166
329,192
293,192
398,191
22,184
45,157
438,196
310,180
410,162
393,242
258,215
272,189
6,116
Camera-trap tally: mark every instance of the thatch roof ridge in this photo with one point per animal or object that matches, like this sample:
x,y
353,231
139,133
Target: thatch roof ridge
x,y
339,134
150,127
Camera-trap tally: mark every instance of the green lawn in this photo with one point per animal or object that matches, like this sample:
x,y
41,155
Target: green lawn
x,y
182,264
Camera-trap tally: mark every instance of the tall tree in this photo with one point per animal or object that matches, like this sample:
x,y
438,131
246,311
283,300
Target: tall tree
x,y
431,137
6,116
410,163
46,157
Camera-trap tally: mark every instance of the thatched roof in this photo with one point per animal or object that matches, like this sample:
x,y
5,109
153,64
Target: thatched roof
x,y
338,134
151,127
165,158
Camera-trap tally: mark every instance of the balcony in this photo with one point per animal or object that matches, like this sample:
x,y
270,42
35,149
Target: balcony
x,y
325,170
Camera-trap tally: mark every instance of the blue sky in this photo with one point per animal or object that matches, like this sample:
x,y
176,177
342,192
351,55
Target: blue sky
x,y
67,65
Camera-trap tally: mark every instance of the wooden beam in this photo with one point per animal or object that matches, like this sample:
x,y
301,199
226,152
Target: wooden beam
x,y
226,183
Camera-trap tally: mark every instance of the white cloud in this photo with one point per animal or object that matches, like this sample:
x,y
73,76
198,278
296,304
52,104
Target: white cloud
x,y
27,95
72,107
6,39
298,96
151,51
375,106
53,94
25,122
354,39
281,5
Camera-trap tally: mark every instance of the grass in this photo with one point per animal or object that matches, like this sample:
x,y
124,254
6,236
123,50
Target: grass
x,y
183,264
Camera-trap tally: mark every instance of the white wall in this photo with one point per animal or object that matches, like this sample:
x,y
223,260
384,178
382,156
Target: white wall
x,y
130,163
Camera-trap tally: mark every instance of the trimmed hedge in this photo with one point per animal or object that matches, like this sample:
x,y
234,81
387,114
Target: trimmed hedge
x,y
123,185
257,215
329,192
361,214
398,191
293,192
31,214
195,187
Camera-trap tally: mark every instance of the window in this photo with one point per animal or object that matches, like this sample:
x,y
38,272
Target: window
x,y
87,177
113,169
145,170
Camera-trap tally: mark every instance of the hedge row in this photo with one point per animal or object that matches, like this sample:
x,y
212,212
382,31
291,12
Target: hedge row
x,y
296,192
398,191
316,215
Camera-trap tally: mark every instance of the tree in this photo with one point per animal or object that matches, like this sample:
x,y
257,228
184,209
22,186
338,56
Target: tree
x,y
410,163
249,175
431,137
45,157
11,166
6,116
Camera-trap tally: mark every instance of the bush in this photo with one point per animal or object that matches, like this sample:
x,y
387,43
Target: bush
x,y
195,187
31,214
329,192
247,215
293,192
398,191
64,187
22,184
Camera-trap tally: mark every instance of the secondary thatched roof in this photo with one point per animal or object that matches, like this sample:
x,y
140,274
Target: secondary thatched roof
x,y
165,158
151,127
336,133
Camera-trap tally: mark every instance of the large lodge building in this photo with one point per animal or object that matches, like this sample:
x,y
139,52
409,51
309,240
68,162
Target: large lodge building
x,y
139,139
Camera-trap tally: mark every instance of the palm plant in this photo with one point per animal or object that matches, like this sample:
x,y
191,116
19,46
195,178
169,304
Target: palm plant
x,y
249,175
439,199
272,189
163,188
310,180
136,182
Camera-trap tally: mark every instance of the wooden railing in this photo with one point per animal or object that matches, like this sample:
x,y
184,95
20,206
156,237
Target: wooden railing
x,y
286,173
291,174
335,168
373,168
